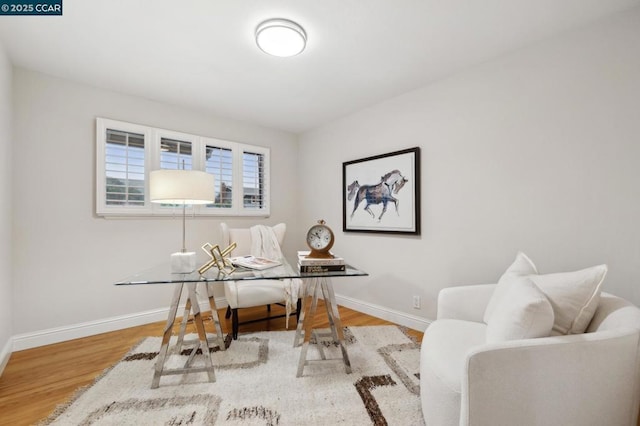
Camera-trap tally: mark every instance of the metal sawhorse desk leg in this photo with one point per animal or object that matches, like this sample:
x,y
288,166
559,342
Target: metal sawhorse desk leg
x,y
202,343
314,287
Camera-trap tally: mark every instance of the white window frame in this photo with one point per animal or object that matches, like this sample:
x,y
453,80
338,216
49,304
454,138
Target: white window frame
x,y
152,138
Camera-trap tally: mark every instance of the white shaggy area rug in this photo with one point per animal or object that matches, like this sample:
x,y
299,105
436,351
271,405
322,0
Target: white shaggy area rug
x,y
257,385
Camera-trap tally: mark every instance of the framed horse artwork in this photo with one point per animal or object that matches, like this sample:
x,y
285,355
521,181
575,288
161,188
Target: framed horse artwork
x,y
382,193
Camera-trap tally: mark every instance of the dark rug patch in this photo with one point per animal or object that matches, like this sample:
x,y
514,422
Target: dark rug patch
x,y
145,356
271,417
364,387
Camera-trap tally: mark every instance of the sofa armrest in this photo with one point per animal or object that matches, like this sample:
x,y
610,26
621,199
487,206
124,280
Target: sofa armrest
x,y
586,379
464,303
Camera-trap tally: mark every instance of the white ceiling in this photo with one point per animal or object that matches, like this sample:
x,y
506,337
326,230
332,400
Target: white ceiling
x,y
201,53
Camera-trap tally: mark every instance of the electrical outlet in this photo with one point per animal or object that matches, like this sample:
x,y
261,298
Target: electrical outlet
x,y
416,302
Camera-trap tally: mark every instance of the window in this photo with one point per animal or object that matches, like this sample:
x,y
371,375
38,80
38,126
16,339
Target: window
x,y
219,162
175,155
252,178
124,168
126,154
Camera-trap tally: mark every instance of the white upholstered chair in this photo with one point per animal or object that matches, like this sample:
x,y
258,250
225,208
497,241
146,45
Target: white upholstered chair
x,y
250,293
570,380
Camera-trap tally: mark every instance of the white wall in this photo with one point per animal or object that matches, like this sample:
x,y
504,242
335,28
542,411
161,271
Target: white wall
x,y
537,151
66,258
6,285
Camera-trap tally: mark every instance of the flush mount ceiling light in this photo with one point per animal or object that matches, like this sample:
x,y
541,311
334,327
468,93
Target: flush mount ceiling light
x,y
281,37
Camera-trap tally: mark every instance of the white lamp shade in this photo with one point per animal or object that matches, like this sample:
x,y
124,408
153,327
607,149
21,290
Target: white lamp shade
x,y
181,187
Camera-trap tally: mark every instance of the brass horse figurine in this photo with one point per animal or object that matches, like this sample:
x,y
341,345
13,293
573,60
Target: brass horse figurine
x,y
382,192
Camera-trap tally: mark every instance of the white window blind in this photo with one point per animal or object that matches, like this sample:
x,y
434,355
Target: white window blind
x,y
124,168
175,154
127,153
253,180
219,162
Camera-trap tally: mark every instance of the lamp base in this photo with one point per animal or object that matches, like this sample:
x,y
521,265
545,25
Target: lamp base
x,y
183,262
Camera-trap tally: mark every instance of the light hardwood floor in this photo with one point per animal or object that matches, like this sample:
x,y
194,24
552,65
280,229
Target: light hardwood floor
x,y
36,380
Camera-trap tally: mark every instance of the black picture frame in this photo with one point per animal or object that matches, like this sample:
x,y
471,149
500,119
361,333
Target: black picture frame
x,y
381,194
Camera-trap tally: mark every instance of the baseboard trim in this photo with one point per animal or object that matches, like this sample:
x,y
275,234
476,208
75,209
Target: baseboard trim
x,y
76,331
5,354
402,318
91,328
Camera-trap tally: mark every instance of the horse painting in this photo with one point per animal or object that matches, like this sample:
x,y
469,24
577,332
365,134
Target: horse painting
x,y
382,192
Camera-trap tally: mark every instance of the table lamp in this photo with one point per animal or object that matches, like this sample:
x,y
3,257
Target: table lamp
x,y
182,187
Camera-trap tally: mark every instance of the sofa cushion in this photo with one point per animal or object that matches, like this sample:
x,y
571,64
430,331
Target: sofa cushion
x,y
521,266
523,313
574,296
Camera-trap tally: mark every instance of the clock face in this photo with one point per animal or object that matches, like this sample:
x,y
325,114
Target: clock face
x,y
319,237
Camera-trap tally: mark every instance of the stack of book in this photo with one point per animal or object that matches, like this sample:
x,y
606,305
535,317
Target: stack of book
x,y
307,264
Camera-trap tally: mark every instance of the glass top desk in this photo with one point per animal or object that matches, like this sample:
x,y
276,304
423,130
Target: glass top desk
x,y
314,285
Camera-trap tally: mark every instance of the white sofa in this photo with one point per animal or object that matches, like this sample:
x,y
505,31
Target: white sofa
x,y
576,379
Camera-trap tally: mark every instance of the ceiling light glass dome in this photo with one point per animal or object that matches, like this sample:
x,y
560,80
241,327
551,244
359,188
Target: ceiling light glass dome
x,y
281,37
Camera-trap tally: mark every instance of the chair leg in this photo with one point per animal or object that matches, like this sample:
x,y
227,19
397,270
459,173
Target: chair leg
x,y
234,323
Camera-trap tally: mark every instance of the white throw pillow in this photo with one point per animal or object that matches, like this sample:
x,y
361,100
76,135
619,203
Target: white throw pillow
x,y
523,313
521,266
574,297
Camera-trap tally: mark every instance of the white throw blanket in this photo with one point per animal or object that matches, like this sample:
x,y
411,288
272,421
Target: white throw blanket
x,y
264,243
